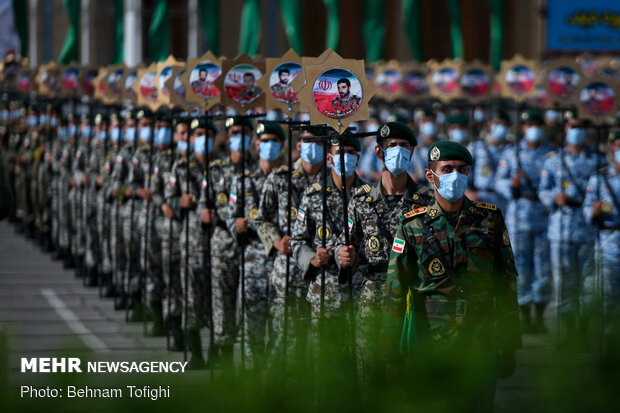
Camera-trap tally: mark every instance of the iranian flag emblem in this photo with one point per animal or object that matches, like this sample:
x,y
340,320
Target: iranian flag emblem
x,y
398,246
172,180
233,197
301,215
350,223
204,183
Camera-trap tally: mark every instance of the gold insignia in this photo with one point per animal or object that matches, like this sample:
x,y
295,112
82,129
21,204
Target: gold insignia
x,y
485,170
565,184
605,208
472,209
222,199
506,238
435,267
415,212
140,115
253,214
260,129
385,131
296,174
432,212
368,198
230,122
374,244
435,154
293,212
322,230
194,124
416,197
486,205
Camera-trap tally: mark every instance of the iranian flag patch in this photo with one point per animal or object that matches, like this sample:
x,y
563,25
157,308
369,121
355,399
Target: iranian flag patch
x,y
350,225
172,180
204,183
301,215
233,197
398,246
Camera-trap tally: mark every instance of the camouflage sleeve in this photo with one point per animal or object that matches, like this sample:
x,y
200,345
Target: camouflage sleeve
x,y
157,189
592,192
267,218
546,190
301,239
172,193
355,234
505,290
232,212
502,177
135,179
402,266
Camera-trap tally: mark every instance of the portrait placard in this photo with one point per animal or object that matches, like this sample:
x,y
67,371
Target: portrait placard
x,y
279,73
70,80
560,79
146,87
129,80
200,78
596,98
476,81
87,80
443,79
389,80
517,78
238,83
415,85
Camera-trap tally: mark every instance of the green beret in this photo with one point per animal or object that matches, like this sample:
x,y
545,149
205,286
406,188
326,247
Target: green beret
x,y
396,130
163,115
201,123
449,151
315,130
355,142
144,113
270,129
429,112
501,115
458,120
181,119
532,115
613,136
238,121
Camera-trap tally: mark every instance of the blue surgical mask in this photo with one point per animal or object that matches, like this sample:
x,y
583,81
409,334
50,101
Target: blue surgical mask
x,y
397,159
269,150
163,136
145,134
441,118
235,143
617,156
428,129
199,144
478,115
63,133
115,134
311,152
499,131
130,134
576,136
183,146
53,122
452,186
73,130
534,134
458,135
43,120
102,135
552,115
350,163
31,121
4,115
86,131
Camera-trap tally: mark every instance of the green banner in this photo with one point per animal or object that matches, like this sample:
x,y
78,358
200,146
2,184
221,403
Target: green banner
x,y
119,46
20,10
333,24
455,29
159,32
374,29
249,37
293,23
496,54
210,15
69,51
412,25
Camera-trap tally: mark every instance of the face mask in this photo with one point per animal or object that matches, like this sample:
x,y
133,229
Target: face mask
x,y
397,159
102,135
130,134
163,136
478,115
552,115
235,143
32,121
441,118
183,147
4,115
145,134
499,131
458,135
576,136
371,127
86,130
73,130
452,186
533,134
199,145
116,134
311,152
63,133
428,129
350,163
53,122
617,156
269,150
42,120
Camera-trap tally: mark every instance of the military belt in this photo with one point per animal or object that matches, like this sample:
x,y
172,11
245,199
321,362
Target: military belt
x,y
459,307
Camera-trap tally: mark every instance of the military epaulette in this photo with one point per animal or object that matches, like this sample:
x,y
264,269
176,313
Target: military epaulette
x,y
281,170
362,190
216,162
296,174
486,205
192,164
314,188
181,162
415,212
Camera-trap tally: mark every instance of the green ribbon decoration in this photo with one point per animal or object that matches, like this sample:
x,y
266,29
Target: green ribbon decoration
x,y
374,28
69,51
455,29
333,24
250,28
412,25
293,24
119,47
210,15
496,54
159,32
20,11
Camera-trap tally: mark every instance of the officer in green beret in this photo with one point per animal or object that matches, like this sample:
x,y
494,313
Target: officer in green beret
x,y
450,296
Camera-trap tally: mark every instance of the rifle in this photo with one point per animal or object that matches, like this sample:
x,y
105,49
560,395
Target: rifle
x,y
206,250
146,233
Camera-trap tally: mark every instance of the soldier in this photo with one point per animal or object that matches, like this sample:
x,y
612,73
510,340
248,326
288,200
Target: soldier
x,y
602,208
516,180
458,129
428,135
563,181
374,215
273,217
283,90
451,279
345,98
250,92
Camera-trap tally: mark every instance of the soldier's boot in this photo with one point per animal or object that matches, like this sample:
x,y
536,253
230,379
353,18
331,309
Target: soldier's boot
x,y
58,254
90,277
107,286
80,270
539,325
120,299
157,329
526,319
196,362
136,309
178,338
69,261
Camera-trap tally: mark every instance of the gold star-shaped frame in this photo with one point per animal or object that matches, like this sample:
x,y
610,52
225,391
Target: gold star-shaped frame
x,y
164,72
87,80
130,78
25,80
596,98
444,79
476,81
322,97
207,94
101,84
553,79
71,90
589,63
47,80
114,83
178,90
300,80
277,97
415,83
231,83
517,78
389,80
146,87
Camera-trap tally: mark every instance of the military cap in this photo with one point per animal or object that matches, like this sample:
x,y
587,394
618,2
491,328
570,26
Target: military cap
x,y
144,113
101,117
238,121
271,129
202,123
458,120
348,142
501,114
570,113
315,130
163,115
449,151
129,114
532,115
613,136
396,130
181,119
429,112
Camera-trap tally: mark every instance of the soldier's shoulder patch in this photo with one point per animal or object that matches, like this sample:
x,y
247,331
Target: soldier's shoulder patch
x,y
282,169
485,205
361,190
313,189
216,162
415,212
296,174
